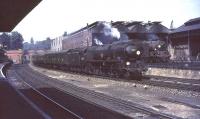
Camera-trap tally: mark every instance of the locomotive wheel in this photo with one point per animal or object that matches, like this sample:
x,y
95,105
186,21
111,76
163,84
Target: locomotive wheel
x,y
85,69
127,75
89,68
132,75
97,71
137,76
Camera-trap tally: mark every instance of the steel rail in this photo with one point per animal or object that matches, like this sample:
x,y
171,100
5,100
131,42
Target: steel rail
x,y
49,99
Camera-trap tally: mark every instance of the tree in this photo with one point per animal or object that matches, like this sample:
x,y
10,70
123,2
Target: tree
x,y
48,43
5,41
16,40
65,33
32,41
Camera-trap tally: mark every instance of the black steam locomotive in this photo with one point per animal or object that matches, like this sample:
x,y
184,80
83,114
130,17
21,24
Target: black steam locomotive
x,y
121,58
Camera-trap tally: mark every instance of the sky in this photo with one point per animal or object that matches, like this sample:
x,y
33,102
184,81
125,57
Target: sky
x,y
51,18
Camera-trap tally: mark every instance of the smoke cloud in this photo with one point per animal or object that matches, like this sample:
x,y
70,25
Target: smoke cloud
x,y
105,34
108,30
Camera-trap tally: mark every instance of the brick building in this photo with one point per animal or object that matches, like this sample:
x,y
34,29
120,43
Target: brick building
x,y
15,56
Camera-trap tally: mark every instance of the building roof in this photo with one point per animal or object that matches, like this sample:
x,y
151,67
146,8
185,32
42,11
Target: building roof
x,y
157,27
14,52
13,11
192,24
86,27
150,27
137,28
193,21
121,26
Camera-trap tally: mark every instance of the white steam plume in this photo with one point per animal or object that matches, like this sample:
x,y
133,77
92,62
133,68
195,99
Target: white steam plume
x,y
110,31
98,42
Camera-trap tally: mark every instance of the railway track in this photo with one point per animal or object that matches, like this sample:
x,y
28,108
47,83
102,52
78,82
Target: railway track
x,y
1,71
61,98
3,68
175,83
47,107
72,90
168,82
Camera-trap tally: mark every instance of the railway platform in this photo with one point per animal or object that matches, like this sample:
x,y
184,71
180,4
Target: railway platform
x,y
12,105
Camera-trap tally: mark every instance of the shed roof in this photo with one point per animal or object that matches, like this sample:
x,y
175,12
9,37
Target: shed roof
x,y
192,24
157,27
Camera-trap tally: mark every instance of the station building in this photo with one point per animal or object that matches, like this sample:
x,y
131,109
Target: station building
x,y
15,56
185,41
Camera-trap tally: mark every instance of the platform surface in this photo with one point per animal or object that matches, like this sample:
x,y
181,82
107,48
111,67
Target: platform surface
x,y
12,105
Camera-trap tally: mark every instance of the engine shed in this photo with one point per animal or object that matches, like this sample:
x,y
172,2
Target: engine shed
x,y
185,40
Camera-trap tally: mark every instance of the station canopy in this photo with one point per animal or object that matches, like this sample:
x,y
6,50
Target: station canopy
x,y
13,11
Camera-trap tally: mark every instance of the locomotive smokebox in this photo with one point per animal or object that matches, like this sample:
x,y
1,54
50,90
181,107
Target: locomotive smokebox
x,y
131,50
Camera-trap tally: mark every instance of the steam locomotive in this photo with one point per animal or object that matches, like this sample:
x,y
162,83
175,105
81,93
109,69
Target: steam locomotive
x,y
119,59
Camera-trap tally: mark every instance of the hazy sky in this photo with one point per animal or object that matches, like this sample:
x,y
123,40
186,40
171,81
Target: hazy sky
x,y
52,17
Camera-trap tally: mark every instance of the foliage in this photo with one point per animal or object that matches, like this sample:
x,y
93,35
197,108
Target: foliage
x,y
11,41
65,33
32,41
5,41
16,41
38,45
